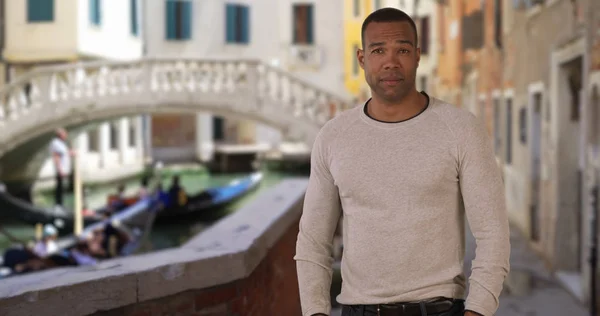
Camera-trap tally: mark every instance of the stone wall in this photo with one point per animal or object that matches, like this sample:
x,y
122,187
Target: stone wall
x,y
271,289
242,265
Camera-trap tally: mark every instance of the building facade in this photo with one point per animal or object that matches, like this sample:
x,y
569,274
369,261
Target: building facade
x,y
43,32
301,37
534,82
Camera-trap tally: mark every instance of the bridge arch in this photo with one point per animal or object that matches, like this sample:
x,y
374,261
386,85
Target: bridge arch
x,y
76,94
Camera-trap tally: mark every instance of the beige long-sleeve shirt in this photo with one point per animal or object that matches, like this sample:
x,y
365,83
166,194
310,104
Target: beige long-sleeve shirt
x,y
404,189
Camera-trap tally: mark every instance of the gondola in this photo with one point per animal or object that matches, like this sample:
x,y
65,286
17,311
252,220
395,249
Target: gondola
x,y
60,217
211,199
139,219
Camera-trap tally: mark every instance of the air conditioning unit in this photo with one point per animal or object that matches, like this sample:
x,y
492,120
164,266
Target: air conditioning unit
x,y
302,56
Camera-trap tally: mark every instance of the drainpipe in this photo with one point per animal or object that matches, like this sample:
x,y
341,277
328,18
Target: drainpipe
x,y
594,250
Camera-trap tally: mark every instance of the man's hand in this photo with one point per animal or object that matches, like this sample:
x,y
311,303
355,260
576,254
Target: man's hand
x,y
471,313
73,152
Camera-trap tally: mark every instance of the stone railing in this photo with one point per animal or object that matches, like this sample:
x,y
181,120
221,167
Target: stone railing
x,y
69,94
243,265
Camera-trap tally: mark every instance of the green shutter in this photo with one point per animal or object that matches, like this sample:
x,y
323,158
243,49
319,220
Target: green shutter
x,y
40,10
245,12
170,18
309,24
186,20
230,23
95,12
134,17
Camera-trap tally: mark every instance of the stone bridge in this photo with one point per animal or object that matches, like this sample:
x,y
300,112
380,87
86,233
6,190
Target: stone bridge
x,y
74,95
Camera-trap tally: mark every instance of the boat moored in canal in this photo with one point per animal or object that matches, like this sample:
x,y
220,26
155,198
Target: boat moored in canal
x,y
139,219
212,199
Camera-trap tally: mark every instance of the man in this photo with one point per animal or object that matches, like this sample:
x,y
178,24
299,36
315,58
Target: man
x,y
61,158
177,195
405,168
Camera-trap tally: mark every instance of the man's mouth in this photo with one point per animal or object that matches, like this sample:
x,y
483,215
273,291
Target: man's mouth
x,y
391,81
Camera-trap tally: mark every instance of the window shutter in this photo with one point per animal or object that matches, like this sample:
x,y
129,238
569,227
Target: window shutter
x,y
186,20
40,10
230,23
245,24
95,12
134,17
309,24
170,19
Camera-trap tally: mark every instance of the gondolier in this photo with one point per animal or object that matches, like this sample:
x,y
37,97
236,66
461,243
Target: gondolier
x,y
61,160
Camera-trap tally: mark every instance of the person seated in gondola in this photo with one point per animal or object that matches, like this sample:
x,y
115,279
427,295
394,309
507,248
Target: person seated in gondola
x,y
177,195
113,239
117,202
23,260
143,192
47,245
82,255
161,196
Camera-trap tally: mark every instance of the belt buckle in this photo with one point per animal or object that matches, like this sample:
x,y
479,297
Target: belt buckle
x,y
401,306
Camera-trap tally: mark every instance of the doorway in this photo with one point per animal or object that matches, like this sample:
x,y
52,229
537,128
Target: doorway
x,y
536,167
570,209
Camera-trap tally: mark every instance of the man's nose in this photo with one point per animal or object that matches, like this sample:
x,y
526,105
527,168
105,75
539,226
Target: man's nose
x,y
392,62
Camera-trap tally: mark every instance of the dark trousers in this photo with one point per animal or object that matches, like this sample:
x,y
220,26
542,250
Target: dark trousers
x,y
58,190
457,309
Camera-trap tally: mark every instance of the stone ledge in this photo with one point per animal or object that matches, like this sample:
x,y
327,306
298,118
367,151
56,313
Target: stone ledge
x,y
228,251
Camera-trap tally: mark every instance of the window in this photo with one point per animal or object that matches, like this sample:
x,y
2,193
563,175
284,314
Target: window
x,y
424,35
134,17
508,131
238,23
528,3
497,139
218,128
40,10
595,117
114,136
498,22
179,19
377,4
355,61
95,11
132,132
523,125
93,145
303,24
356,8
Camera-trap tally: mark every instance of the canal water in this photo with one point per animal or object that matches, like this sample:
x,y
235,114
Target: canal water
x,y
193,178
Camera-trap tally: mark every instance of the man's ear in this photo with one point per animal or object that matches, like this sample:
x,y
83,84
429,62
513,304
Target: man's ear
x,y
418,51
360,55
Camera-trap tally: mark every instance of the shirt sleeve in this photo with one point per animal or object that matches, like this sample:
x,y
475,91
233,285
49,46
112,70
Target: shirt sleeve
x,y
483,195
320,216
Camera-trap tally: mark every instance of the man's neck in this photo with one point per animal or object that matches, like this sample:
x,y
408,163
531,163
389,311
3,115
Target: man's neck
x,y
384,111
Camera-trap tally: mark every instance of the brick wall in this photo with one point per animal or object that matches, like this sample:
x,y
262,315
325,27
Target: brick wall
x,y
271,289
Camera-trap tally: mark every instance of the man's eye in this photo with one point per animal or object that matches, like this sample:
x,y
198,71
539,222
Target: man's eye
x,y
404,51
377,51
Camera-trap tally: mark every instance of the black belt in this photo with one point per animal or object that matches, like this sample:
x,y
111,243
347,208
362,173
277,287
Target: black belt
x,y
410,309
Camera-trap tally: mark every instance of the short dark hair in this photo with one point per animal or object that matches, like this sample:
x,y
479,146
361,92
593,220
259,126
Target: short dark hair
x,y
388,15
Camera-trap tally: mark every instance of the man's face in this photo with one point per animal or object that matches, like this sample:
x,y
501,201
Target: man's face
x,y
62,134
390,58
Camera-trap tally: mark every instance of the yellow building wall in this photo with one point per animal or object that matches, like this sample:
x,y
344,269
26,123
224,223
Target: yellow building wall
x,y
40,41
354,82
